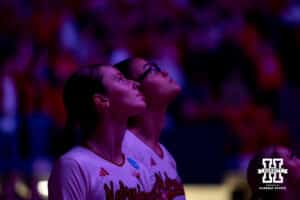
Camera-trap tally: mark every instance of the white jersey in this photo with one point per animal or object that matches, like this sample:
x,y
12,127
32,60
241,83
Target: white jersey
x,y
164,178
81,174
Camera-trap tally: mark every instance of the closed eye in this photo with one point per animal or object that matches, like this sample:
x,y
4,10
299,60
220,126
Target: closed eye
x,y
121,78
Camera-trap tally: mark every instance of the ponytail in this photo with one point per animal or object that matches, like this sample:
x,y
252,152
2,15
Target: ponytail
x,y
70,135
82,115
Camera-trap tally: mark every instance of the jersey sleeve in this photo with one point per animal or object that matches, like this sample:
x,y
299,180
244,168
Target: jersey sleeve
x,y
67,181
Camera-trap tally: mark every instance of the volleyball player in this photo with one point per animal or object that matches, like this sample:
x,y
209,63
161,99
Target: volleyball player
x,y
142,139
99,99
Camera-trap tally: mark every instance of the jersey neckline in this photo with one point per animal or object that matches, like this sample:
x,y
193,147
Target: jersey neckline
x,y
88,148
161,156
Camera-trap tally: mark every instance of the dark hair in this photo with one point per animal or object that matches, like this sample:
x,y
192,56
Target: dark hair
x,y
78,101
255,180
124,67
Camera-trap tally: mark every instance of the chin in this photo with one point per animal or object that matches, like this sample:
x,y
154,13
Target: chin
x,y
177,88
138,108
168,98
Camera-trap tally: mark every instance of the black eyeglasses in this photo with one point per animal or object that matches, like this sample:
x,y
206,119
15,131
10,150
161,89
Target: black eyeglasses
x,y
150,67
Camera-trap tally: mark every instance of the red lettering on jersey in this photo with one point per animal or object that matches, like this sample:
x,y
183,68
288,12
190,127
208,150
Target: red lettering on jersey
x,y
168,189
103,172
125,193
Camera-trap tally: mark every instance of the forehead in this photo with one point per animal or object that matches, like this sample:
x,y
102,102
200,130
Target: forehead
x,y
108,71
138,65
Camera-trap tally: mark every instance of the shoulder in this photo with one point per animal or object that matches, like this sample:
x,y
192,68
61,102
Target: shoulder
x,y
129,138
132,144
71,164
165,150
67,180
168,155
78,154
65,167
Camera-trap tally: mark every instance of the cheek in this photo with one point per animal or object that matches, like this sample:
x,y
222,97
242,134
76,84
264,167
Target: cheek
x,y
119,96
155,86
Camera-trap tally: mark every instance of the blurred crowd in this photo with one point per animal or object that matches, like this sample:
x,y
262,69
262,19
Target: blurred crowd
x,y
235,60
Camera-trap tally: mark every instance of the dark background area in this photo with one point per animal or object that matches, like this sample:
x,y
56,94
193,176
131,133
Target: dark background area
x,y
237,62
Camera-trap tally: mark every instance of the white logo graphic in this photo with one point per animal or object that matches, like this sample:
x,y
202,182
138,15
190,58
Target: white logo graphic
x,y
272,171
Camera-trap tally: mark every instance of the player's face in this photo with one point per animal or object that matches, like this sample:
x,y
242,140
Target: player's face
x,y
291,162
156,84
123,94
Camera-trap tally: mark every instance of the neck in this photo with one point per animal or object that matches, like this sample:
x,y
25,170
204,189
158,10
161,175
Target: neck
x,y
108,137
149,125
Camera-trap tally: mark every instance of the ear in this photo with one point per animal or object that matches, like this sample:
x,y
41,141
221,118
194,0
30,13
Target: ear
x,y
101,101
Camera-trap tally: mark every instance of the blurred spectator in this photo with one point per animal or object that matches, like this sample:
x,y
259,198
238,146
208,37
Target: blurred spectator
x,y
9,119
